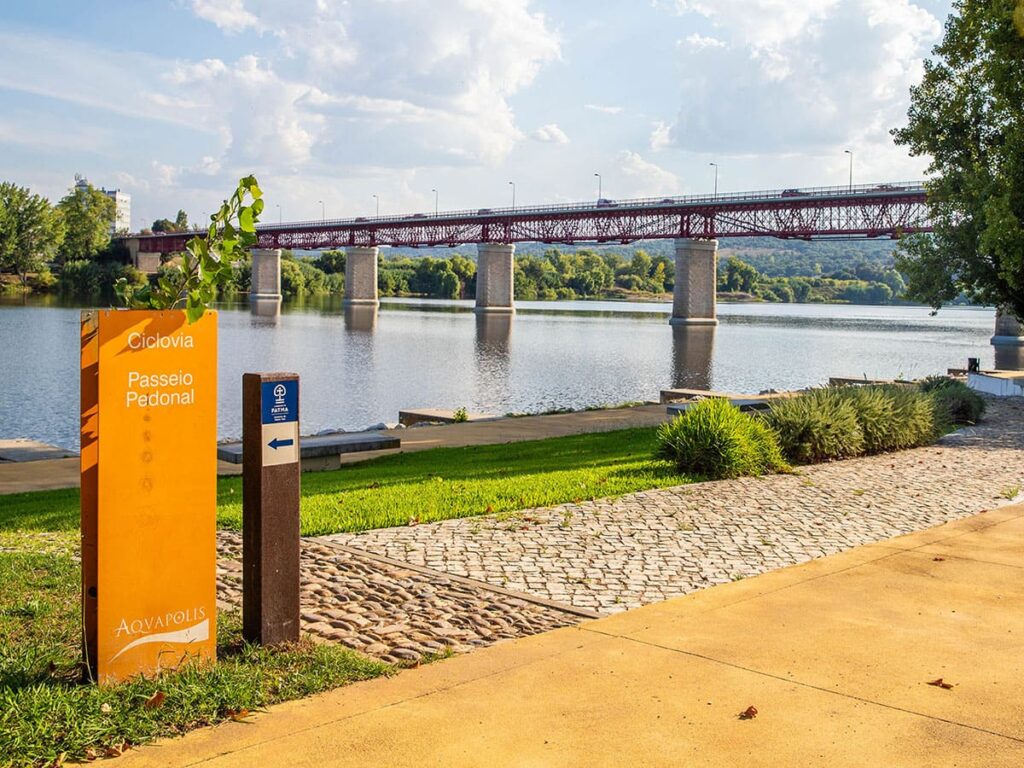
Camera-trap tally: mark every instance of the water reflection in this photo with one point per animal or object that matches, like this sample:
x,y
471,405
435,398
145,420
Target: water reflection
x,y
493,355
693,347
360,318
1009,357
265,311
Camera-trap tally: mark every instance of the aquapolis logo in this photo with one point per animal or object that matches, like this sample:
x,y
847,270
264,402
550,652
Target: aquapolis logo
x,y
156,629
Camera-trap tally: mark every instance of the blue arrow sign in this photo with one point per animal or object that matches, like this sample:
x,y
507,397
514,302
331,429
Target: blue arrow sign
x,y
278,443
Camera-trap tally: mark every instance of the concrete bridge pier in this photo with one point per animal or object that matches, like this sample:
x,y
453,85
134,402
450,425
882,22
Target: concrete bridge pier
x,y
494,278
693,299
147,263
361,275
265,282
1009,331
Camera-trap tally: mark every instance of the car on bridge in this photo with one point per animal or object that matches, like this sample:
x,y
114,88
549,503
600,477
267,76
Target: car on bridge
x,y
793,193
606,203
484,212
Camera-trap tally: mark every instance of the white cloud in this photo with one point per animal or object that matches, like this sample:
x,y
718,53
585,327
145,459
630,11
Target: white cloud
x,y
331,90
699,41
229,15
550,133
799,76
608,110
660,136
648,179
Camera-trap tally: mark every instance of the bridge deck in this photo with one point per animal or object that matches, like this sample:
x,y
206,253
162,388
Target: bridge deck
x,y
873,210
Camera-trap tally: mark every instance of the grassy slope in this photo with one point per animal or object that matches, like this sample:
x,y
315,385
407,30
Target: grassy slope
x,y
428,485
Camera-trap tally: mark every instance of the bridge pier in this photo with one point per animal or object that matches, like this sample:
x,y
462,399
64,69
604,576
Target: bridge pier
x,y
495,278
146,263
361,275
1009,331
265,282
693,298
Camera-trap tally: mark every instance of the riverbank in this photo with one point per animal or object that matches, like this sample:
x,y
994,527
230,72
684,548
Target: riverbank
x,y
403,594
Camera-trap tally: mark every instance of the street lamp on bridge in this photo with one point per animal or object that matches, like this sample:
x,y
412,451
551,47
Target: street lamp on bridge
x,y
377,201
598,187
850,153
278,212
716,178
513,185
323,211
435,201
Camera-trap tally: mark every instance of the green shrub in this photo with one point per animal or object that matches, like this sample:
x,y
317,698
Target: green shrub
x,y
963,404
92,278
820,425
714,439
920,415
293,281
877,417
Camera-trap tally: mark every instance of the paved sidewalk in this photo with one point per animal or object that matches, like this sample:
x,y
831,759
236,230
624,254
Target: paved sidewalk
x,y
613,554
836,655
64,473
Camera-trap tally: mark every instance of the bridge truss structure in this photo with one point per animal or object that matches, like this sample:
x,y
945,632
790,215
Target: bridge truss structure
x,y
849,212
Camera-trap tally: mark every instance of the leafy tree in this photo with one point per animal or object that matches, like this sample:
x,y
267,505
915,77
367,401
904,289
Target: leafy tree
x,y
740,276
31,230
180,224
968,116
88,216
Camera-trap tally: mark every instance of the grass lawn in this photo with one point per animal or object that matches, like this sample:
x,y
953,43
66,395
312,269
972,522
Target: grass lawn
x,y
429,485
48,716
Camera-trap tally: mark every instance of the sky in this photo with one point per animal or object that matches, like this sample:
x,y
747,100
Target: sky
x,y
331,102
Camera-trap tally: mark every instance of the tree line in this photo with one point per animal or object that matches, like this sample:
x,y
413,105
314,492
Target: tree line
x,y
582,274
73,235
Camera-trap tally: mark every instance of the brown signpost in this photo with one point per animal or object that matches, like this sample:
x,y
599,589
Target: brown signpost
x,y
149,490
270,507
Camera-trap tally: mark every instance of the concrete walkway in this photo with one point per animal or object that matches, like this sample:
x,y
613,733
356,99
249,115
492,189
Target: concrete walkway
x,y
836,655
21,477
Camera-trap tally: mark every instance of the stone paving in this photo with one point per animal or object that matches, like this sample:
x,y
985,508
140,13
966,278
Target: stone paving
x,y
388,611
616,554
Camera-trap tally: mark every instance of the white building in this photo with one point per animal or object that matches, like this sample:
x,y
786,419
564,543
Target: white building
x,y
122,206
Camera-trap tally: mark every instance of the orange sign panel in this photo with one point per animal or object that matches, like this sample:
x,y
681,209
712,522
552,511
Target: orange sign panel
x,y
149,490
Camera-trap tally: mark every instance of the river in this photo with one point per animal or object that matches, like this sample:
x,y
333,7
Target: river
x,y
360,366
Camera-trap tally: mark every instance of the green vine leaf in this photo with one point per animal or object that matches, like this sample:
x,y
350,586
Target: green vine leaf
x,y
206,263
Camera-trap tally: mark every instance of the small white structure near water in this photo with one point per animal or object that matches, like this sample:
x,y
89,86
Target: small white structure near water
x,y
998,383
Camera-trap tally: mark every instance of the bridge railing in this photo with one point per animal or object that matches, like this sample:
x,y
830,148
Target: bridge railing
x,y
893,188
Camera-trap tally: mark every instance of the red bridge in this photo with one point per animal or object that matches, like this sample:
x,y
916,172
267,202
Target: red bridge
x,y
866,211
695,223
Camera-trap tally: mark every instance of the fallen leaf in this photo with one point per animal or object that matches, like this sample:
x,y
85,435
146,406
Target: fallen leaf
x,y
414,521
156,700
938,559
105,708
940,683
114,750
488,510
238,714
749,713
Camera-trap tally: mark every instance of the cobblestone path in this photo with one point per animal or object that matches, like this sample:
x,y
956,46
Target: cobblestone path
x,y
389,611
616,554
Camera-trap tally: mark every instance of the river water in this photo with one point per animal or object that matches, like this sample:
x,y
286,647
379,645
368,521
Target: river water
x,y
361,366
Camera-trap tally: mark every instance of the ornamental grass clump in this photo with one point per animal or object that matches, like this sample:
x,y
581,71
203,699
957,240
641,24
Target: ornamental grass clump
x,y
921,416
877,417
820,425
714,439
963,404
